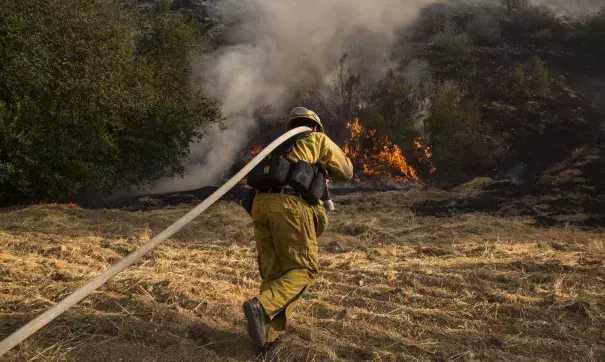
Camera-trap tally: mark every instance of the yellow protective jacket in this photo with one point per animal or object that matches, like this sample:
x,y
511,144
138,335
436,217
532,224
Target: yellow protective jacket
x,y
318,149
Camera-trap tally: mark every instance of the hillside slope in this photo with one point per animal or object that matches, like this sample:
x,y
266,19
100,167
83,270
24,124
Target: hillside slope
x,y
394,285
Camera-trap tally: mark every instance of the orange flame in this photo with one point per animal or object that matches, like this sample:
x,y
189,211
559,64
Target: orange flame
x,y
378,156
255,150
252,152
428,154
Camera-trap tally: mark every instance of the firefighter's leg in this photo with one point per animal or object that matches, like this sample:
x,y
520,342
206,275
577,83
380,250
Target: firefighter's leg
x,y
277,326
268,263
292,226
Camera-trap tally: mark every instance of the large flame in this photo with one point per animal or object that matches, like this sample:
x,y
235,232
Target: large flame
x,y
377,156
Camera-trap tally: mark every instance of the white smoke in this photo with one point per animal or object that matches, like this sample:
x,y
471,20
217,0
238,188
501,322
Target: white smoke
x,y
280,47
571,8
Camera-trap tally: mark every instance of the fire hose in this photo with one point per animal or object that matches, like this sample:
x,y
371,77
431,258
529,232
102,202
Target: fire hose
x,y
58,309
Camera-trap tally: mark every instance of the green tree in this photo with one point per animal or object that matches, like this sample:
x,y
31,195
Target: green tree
x,y
396,108
459,137
94,95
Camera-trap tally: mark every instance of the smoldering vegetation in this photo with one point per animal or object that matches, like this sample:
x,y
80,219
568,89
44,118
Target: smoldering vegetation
x,y
500,89
272,53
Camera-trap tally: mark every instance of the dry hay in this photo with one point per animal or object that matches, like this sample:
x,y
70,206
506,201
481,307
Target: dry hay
x,y
394,286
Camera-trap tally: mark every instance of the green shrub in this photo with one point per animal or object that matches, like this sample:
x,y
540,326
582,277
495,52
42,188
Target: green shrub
x,y
458,135
444,115
396,108
527,80
539,82
514,84
455,45
94,96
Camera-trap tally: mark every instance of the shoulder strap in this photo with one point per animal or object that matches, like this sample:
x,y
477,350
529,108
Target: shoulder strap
x,y
285,148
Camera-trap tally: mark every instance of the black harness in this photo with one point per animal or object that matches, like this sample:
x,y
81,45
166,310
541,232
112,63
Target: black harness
x,y
278,174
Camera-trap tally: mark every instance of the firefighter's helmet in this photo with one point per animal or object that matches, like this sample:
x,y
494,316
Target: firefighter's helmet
x,y
302,112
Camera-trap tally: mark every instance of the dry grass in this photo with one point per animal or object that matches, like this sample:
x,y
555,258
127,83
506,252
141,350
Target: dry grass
x,y
394,286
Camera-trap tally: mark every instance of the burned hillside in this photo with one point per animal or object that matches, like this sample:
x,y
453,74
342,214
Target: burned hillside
x,y
478,90
491,92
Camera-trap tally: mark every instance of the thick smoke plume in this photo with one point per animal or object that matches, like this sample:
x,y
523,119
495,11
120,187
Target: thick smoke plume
x,y
275,48
278,47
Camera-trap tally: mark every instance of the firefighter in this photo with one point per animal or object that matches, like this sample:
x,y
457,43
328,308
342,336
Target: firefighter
x,y
286,228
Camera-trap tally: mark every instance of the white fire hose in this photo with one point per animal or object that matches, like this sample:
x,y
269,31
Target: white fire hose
x,y
56,310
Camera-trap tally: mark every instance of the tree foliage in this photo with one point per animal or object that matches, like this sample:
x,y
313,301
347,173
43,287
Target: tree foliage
x,y
458,135
396,108
94,96
444,116
527,80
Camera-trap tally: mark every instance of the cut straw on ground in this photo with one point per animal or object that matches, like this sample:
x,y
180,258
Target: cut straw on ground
x,y
393,286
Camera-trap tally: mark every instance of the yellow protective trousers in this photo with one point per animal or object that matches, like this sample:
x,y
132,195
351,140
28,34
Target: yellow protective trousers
x,y
286,229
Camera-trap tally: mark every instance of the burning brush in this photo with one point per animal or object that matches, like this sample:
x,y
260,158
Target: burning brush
x,y
376,158
255,150
379,158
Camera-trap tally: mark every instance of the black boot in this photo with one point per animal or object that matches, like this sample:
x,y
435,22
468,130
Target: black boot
x,y
255,314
